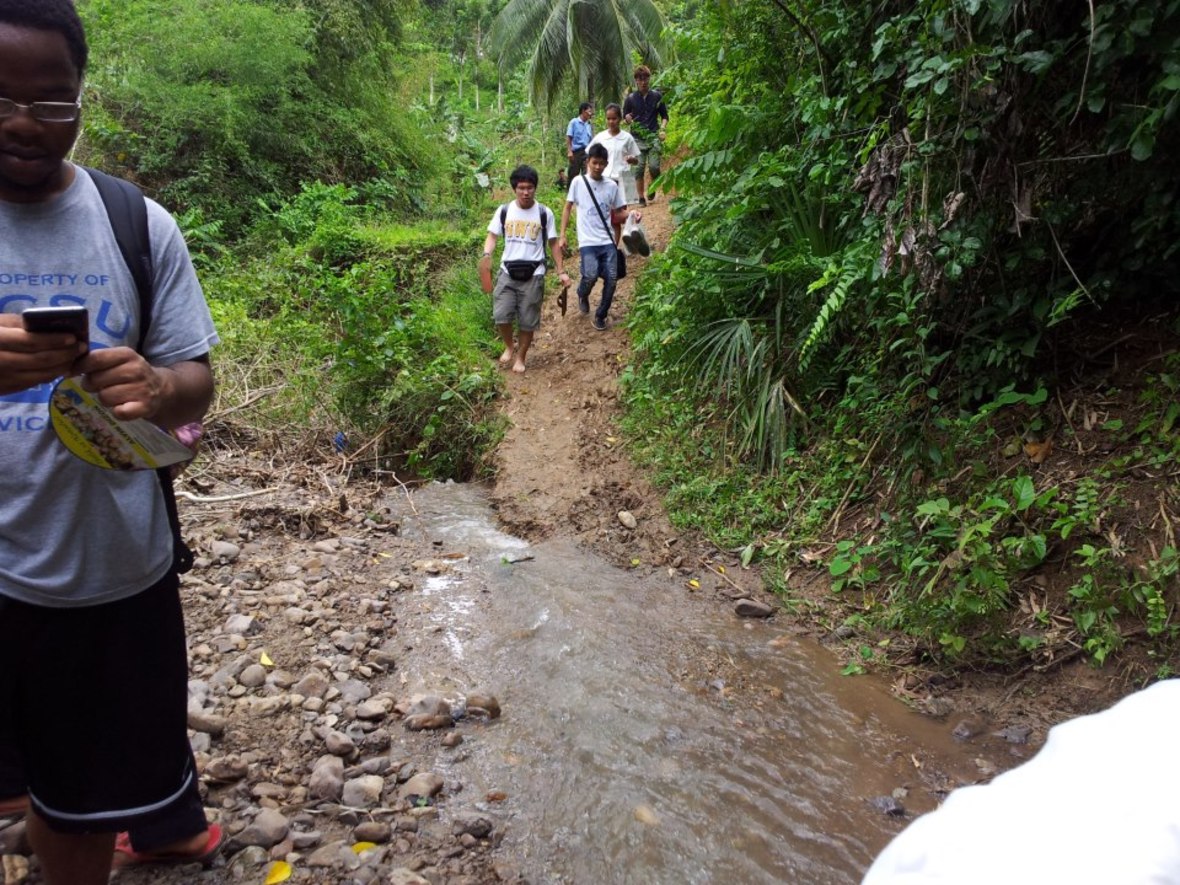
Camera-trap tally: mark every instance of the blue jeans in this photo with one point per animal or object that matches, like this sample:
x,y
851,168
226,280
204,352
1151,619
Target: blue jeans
x,y
599,261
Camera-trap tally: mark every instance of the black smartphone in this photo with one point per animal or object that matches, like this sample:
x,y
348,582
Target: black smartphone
x,y
73,319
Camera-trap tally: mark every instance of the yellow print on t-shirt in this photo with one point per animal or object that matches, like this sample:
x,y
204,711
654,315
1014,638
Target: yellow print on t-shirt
x,y
521,229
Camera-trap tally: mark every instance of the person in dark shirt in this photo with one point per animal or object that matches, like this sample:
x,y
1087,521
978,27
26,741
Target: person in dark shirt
x,y
644,109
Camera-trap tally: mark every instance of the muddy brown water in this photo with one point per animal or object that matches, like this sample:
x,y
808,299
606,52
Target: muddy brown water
x,y
649,739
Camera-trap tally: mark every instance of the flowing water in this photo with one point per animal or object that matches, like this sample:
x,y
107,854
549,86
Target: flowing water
x,y
647,736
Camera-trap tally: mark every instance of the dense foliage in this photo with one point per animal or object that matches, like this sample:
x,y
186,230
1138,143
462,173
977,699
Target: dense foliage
x,y
218,103
589,46
897,220
903,231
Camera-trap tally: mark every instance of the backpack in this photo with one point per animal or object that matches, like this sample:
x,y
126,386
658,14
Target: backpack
x,y
127,212
544,229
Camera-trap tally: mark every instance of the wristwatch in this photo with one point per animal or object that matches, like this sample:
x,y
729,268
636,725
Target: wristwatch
x,y
487,254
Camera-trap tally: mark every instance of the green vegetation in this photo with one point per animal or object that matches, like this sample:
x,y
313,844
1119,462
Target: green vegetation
x,y
921,251
332,200
589,43
904,233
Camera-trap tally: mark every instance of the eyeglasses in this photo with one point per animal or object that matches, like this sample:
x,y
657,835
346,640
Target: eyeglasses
x,y
43,111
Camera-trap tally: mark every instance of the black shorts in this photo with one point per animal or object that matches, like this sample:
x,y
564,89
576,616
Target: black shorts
x,y
93,707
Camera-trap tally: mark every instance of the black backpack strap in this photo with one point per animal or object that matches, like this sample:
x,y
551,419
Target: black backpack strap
x,y
127,213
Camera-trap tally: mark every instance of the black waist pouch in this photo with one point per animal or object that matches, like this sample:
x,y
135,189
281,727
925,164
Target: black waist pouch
x,y
521,270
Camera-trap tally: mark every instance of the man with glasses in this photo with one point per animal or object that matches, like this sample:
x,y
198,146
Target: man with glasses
x,y
644,109
93,667
519,287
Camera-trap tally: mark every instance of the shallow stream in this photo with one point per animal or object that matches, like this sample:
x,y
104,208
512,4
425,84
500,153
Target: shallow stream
x,y
649,736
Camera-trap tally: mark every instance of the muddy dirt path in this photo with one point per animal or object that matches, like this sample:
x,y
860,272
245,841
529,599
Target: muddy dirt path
x,y
562,470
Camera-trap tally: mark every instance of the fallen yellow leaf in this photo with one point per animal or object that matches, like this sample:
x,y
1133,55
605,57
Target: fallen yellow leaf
x,y
362,847
280,871
635,562
265,660
721,569
694,584
1037,452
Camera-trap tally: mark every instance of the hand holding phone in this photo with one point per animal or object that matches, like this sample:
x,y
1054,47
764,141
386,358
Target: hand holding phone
x,y
72,319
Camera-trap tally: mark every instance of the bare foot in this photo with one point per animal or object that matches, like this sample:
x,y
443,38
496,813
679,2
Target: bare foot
x,y
506,356
518,367
200,848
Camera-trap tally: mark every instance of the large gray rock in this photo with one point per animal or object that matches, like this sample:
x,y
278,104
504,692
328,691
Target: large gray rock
x,y
327,779
363,791
269,828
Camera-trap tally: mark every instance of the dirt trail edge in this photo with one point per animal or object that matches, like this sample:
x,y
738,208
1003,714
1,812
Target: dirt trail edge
x,y
563,471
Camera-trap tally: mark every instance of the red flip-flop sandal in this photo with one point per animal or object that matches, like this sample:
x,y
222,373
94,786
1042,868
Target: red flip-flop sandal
x,y
126,856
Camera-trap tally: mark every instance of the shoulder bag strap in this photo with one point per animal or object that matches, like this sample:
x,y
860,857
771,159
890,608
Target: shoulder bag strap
x,y
597,207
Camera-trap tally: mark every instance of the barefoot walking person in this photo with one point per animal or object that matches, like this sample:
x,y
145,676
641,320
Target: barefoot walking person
x,y
519,287
93,666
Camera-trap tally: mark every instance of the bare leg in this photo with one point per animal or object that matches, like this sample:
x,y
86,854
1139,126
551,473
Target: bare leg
x,y
526,338
68,859
19,805
505,330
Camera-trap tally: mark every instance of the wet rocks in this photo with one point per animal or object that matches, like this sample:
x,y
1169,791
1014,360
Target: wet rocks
x,y
1015,734
480,704
425,786
888,805
427,712
472,824
294,710
752,608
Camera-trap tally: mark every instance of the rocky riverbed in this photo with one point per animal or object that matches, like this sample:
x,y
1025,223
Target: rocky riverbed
x,y
311,750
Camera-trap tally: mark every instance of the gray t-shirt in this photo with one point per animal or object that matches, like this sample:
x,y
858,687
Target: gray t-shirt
x,y
72,534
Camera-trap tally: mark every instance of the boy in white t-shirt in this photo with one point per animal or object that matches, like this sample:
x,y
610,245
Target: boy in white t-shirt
x,y
519,286
600,216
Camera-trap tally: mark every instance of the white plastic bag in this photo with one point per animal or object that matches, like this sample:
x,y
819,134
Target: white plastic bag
x,y
630,190
635,237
